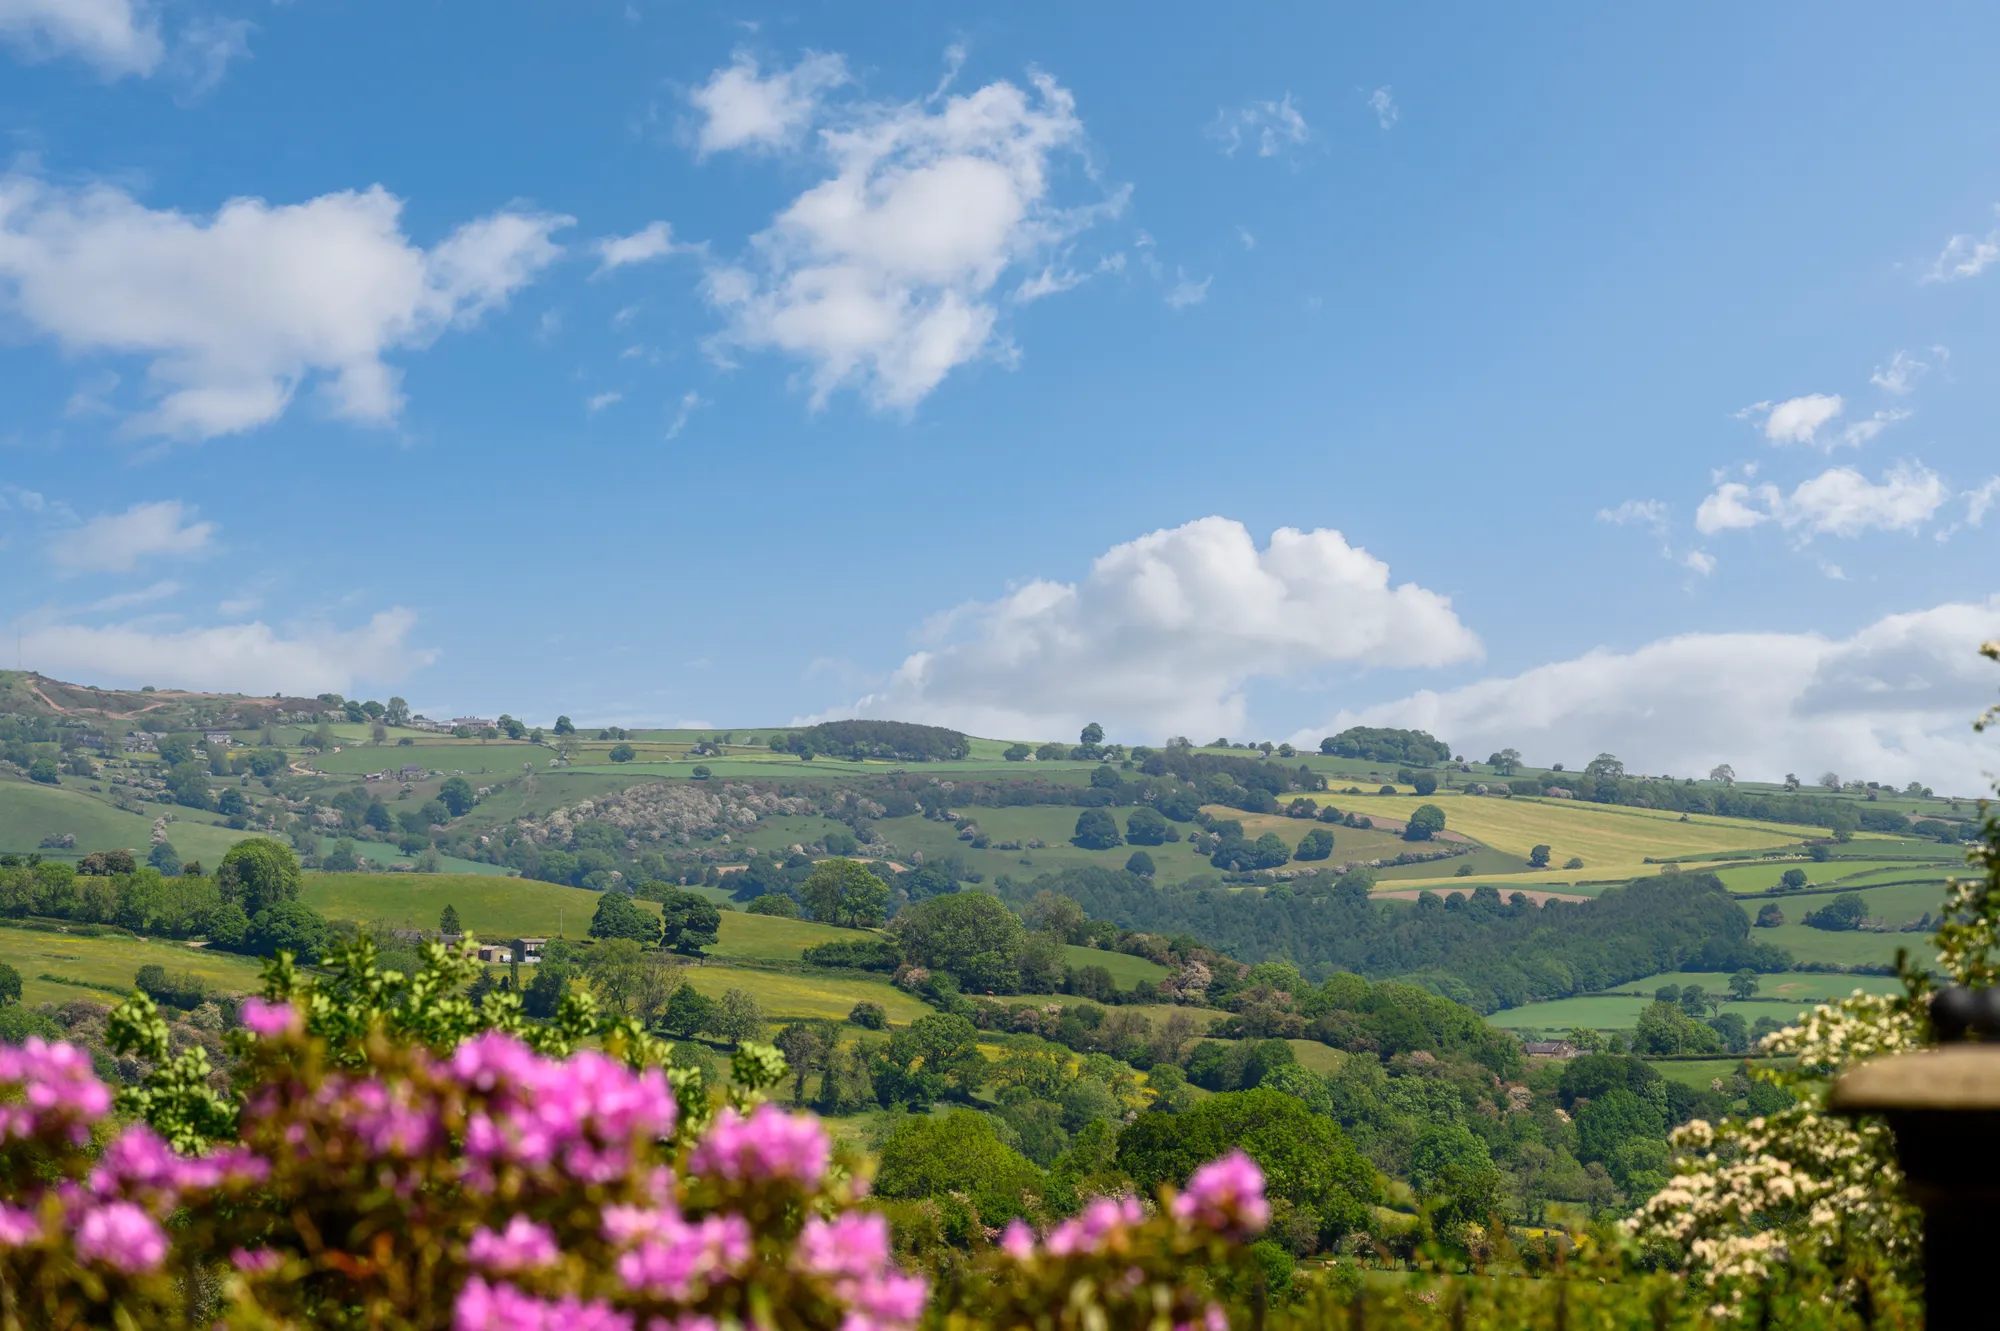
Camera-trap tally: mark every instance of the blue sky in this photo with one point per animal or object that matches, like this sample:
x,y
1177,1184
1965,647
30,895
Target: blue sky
x,y
1012,366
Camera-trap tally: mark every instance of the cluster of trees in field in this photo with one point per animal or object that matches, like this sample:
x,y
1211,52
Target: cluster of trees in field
x,y
250,905
896,741
1477,949
1378,745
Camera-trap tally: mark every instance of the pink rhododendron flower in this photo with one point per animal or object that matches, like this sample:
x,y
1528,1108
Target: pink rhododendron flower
x,y
1018,1241
769,1144
56,1084
501,1307
269,1019
1226,1195
18,1226
671,1263
119,1234
855,1243
522,1246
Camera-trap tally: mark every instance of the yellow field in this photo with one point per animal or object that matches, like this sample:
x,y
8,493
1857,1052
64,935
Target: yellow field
x,y
785,996
112,961
1610,839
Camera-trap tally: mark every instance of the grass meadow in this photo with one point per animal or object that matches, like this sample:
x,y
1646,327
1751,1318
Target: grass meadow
x,y
29,812
111,963
1606,837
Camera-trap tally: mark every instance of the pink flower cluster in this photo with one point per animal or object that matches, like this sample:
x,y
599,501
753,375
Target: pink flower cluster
x,y
501,1307
581,1115
853,1249
1227,1196
58,1091
769,1144
269,1020
139,1164
113,1216
522,1246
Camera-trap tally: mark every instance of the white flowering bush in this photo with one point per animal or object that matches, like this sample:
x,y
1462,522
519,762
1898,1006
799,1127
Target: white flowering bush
x,y
1752,1195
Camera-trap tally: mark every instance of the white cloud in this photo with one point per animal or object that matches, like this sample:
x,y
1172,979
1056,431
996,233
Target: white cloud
x,y
1732,507
1383,103
1051,281
1892,702
1977,501
247,658
1165,631
882,276
1838,502
1647,512
118,37
691,402
1858,433
1271,127
1796,420
117,542
597,402
1187,291
1700,561
1833,571
1842,502
1901,374
232,312
1249,241
1964,255
159,591
742,109
653,241
202,54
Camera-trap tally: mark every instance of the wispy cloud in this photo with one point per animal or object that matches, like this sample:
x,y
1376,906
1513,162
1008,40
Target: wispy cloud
x,y
1187,291
1644,512
1270,128
599,401
691,402
1383,103
1964,255
117,542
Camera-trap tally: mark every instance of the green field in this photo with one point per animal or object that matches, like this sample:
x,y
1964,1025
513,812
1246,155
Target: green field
x,y
491,907
1126,969
774,938
1617,1013
784,995
112,962
29,812
1697,1072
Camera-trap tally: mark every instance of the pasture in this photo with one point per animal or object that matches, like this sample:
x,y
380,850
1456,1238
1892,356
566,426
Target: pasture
x,y
785,995
1609,839
112,962
1126,969
490,907
29,812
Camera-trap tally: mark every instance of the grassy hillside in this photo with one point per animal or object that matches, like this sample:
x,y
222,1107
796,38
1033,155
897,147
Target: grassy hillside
x,y
111,963
1610,839
492,907
29,812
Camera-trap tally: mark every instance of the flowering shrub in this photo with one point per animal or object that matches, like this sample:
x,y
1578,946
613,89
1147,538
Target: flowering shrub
x,y
1753,1195
491,1186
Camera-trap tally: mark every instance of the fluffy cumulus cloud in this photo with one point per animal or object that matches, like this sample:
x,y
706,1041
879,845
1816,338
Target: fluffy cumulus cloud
x,y
119,542
741,107
1796,420
116,37
246,658
1894,702
1164,633
232,312
882,275
1838,502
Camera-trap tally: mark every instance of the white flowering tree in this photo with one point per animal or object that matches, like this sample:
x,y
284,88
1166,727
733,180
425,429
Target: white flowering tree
x,y
1801,1186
